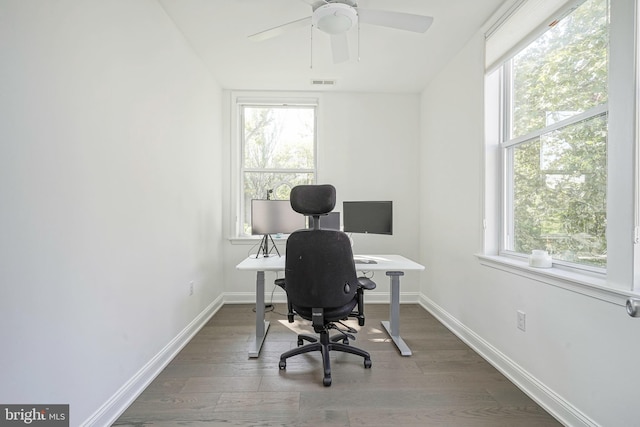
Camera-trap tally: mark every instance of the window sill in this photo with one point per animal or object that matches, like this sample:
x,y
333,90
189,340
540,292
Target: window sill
x,y
591,285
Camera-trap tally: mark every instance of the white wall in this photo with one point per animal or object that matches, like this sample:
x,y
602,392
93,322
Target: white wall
x,y
368,147
579,355
110,132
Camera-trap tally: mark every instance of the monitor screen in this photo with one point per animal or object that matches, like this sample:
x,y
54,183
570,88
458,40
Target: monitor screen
x,y
368,217
275,216
330,221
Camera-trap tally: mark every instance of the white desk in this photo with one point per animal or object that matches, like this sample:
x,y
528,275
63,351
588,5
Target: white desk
x,y
393,265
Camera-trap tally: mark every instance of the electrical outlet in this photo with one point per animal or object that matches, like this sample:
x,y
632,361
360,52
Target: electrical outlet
x,y
191,288
522,320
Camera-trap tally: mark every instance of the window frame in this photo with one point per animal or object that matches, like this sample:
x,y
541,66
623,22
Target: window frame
x,y
622,275
508,143
239,101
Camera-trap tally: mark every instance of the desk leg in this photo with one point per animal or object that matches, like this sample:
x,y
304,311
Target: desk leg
x,y
393,325
262,326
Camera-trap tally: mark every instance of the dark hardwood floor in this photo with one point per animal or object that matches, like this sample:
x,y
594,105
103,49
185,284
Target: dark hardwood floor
x,y
213,382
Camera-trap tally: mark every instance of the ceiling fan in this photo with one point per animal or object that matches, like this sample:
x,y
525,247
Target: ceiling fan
x,y
337,17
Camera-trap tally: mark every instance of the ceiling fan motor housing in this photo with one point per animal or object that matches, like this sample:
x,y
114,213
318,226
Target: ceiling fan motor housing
x,y
335,18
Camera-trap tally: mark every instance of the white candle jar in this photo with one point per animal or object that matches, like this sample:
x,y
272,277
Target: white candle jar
x,y
540,259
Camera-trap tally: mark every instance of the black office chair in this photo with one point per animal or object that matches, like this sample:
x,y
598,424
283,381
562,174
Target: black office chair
x,y
320,280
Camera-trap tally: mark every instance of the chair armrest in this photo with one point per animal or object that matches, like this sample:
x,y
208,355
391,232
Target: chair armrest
x,y
366,283
290,312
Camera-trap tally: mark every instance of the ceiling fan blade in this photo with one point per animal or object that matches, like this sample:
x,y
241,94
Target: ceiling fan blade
x,y
340,48
398,20
315,3
281,29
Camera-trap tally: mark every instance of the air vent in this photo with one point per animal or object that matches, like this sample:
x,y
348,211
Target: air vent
x,y
319,82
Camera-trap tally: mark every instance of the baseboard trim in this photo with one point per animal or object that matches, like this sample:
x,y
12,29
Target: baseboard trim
x,y
558,407
108,413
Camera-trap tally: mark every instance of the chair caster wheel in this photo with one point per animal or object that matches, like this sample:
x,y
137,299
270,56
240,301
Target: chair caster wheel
x,y
367,363
326,381
282,365
300,342
345,341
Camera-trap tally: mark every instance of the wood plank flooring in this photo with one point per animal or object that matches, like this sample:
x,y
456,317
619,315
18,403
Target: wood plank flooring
x,y
213,382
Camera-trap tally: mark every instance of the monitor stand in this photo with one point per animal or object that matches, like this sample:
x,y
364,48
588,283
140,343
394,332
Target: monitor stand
x,y
264,246
266,252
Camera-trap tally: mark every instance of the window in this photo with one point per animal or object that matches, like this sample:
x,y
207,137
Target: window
x,y
277,152
554,115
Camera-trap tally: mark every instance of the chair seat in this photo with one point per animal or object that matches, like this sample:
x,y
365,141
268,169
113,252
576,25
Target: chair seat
x,y
330,314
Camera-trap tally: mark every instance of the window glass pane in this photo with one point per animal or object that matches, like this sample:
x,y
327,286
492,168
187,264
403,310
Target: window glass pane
x,y
560,193
279,137
563,72
278,150
257,185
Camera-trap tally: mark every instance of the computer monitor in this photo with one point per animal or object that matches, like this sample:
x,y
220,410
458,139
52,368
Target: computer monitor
x,y
374,217
274,217
330,221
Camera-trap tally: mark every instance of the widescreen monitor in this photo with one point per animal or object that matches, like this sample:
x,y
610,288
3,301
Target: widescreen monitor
x,y
274,217
375,217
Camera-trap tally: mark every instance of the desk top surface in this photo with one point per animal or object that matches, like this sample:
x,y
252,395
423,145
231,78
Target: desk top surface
x,y
382,263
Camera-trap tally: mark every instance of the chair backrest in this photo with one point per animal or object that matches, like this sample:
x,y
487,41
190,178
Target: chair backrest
x,y
319,267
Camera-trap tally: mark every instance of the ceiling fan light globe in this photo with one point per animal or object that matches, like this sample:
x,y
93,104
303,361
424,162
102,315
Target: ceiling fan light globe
x,y
334,24
335,18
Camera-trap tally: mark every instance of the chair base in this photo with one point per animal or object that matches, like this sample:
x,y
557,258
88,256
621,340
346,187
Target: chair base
x,y
325,345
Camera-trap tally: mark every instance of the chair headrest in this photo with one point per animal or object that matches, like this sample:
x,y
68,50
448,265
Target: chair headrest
x,y
313,199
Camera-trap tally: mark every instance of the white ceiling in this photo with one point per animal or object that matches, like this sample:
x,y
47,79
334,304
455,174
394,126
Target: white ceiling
x,y
390,60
